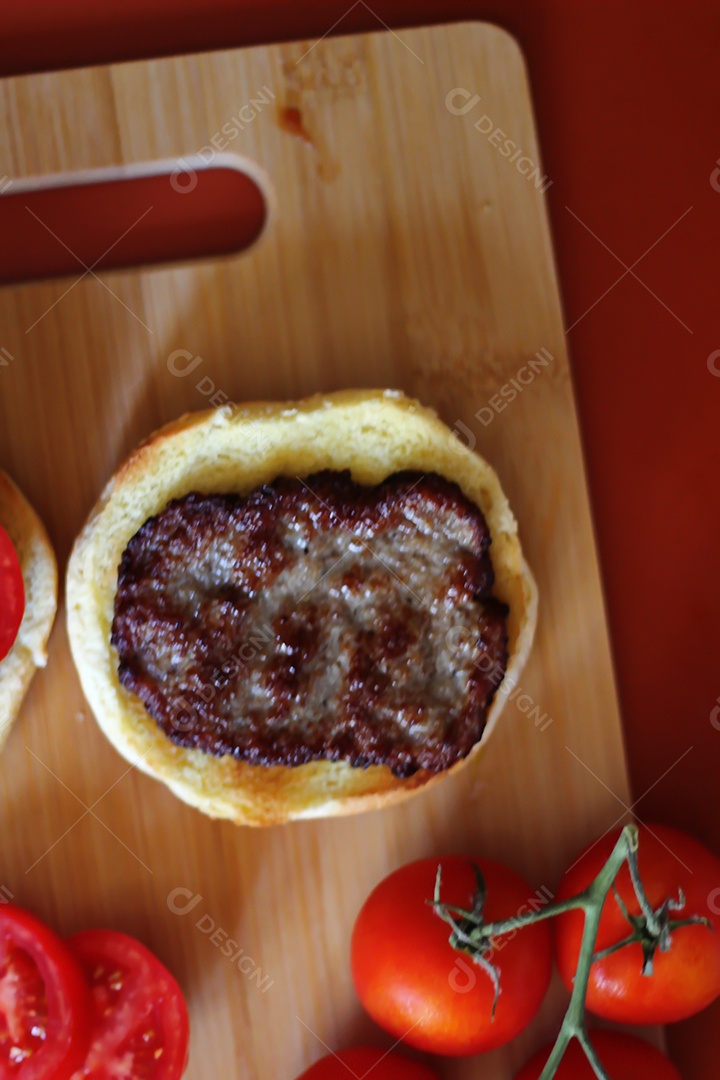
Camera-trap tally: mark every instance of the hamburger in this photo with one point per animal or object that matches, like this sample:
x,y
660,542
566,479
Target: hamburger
x,y
292,610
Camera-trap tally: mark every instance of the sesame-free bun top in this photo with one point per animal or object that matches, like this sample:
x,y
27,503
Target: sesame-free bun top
x,y
39,570
237,449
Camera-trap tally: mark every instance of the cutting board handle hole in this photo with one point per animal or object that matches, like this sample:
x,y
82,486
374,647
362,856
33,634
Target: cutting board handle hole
x,y
159,213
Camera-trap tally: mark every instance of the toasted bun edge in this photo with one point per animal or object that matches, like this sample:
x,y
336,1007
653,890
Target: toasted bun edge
x,y
40,577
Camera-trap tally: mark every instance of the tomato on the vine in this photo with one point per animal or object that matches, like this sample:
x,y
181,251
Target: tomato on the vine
x,y
624,1058
363,1060
44,1001
416,986
140,1021
12,594
686,977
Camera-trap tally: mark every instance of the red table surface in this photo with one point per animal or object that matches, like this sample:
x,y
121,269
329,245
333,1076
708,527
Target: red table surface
x,y
627,103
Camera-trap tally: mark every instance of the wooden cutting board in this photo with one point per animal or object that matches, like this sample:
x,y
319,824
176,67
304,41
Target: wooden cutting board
x,y
406,246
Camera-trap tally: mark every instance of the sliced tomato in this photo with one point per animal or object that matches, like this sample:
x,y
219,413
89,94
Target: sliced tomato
x,y
44,1001
12,594
140,1021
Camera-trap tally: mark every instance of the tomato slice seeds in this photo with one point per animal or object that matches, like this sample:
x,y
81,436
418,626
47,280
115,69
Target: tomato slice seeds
x,y
140,1020
44,1001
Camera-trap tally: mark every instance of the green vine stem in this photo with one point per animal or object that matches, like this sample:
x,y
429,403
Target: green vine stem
x,y
470,934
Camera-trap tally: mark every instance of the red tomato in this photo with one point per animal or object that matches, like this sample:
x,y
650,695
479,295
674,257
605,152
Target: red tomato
x,y
44,1001
361,1061
140,1028
12,594
624,1058
416,986
686,978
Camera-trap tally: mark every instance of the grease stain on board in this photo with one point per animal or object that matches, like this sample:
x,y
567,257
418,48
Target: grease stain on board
x,y
292,119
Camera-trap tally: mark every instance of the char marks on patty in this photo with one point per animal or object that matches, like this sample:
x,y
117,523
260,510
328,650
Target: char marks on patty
x,y
315,619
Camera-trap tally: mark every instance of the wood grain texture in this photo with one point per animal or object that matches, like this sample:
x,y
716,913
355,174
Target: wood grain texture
x,y
402,249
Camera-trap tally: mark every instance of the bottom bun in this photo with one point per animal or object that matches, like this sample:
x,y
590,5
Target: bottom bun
x,y
39,570
237,449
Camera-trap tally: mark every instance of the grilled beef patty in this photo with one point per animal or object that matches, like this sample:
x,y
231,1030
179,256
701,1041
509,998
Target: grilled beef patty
x,y
315,619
